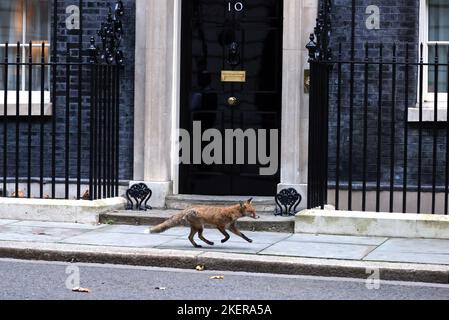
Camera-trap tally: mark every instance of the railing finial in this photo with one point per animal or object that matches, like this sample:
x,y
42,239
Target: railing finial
x,y
111,33
319,48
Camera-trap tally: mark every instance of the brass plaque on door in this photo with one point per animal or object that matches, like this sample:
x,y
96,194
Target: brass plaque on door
x,y
233,76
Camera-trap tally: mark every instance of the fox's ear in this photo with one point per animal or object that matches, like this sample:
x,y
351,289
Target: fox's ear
x,y
250,200
241,204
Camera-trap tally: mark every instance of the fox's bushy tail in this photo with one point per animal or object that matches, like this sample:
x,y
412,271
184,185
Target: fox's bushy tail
x,y
174,221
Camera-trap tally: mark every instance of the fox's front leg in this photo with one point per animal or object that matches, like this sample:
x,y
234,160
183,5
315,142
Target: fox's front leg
x,y
237,232
200,235
223,231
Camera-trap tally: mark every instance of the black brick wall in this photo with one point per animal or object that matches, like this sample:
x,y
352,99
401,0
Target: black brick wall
x,y
400,26
93,14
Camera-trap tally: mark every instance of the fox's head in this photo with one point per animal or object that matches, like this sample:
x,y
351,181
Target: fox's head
x,y
248,210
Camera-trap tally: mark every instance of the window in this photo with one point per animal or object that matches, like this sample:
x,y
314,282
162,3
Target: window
x,y
438,33
435,31
24,21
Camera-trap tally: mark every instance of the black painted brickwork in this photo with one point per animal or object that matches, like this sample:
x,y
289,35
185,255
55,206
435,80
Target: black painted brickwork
x,y
400,26
93,14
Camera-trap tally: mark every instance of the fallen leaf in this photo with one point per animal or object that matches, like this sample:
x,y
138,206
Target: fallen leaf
x,y
217,278
81,290
39,232
200,268
160,288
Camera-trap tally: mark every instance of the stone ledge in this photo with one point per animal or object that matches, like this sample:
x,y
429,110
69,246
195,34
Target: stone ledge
x,y
396,225
428,113
23,110
71,211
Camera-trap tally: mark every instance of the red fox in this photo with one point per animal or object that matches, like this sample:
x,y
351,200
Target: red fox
x,y
221,217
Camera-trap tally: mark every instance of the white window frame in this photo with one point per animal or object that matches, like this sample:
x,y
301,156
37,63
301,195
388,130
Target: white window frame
x,y
424,39
36,96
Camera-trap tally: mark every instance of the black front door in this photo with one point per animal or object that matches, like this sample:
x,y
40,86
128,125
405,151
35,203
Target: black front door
x,y
231,79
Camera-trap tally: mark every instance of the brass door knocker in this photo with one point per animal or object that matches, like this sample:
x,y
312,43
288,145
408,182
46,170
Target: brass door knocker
x,y
233,54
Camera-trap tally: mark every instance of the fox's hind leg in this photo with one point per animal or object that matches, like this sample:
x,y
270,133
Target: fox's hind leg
x,y
193,232
223,231
200,235
237,232
195,226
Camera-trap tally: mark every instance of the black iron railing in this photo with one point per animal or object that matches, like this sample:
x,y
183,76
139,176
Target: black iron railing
x,y
379,132
319,56
70,152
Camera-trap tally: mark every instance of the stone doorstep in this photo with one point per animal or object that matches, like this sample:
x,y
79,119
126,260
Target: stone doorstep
x,y
154,217
181,202
49,210
370,224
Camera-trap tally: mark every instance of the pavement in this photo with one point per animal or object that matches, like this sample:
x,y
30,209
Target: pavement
x,y
422,260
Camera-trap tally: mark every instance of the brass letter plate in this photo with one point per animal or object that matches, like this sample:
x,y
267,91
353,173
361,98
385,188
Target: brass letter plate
x,y
233,76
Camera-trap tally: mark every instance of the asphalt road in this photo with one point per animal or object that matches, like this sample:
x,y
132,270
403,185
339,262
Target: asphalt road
x,y
48,280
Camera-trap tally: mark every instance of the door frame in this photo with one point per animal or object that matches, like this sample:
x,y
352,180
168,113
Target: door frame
x,y
159,168
177,48
185,43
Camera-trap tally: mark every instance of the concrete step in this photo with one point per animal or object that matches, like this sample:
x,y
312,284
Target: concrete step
x,y
154,217
263,205
373,224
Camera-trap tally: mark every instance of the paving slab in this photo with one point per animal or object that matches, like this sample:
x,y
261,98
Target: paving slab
x,y
61,225
211,234
5,221
230,246
257,237
119,239
11,232
412,250
177,232
416,246
441,259
125,229
369,241
318,250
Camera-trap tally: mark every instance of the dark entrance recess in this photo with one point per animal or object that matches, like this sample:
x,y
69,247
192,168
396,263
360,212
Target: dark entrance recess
x,y
221,36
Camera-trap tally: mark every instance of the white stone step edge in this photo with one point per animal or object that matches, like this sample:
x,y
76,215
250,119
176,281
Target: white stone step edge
x,y
70,211
371,224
